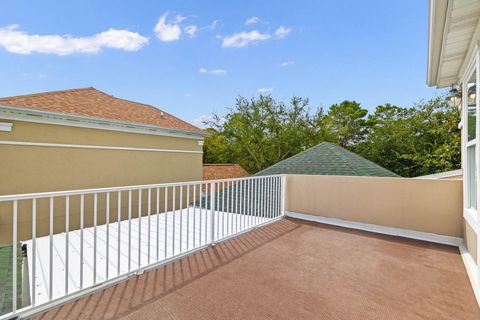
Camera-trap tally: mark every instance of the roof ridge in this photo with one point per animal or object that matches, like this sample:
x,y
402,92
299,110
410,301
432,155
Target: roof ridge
x,y
340,149
50,92
292,157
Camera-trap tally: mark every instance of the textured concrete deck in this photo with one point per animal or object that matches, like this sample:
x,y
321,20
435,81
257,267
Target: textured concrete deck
x,y
294,270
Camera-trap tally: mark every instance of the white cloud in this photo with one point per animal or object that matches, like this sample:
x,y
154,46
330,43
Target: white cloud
x,y
242,39
200,121
16,41
265,90
214,72
168,30
254,20
282,32
191,30
214,24
287,63
178,18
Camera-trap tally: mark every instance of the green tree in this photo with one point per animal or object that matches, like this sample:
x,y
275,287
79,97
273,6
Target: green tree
x,y
346,124
260,132
414,141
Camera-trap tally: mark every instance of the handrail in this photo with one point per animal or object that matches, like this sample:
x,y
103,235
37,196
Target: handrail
x,y
121,188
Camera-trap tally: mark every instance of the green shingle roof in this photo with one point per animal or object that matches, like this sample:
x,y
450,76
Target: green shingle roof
x,y
327,159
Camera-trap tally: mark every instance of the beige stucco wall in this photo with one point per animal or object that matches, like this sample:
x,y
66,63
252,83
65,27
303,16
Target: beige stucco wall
x,y
27,169
470,240
433,206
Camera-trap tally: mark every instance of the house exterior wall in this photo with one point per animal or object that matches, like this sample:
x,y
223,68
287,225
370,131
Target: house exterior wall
x,y
425,205
31,169
27,169
470,240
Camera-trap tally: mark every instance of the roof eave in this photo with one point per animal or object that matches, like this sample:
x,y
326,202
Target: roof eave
x,y
60,118
436,28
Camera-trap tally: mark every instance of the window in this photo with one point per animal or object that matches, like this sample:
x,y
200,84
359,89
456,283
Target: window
x,y
471,115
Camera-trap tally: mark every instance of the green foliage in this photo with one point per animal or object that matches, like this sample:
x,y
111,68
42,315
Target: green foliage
x,y
258,133
414,141
346,124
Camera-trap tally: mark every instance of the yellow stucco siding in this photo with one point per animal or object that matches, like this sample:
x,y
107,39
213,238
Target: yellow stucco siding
x,y
30,169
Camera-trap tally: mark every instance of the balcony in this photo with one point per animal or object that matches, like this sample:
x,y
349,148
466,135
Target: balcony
x,y
243,248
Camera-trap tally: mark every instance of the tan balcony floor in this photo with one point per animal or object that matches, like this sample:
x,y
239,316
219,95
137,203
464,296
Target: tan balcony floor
x,y
294,270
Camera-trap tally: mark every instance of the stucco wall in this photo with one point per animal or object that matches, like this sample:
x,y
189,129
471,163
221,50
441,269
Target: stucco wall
x,y
28,169
470,240
425,205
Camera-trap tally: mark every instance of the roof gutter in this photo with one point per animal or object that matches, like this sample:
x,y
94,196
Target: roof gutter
x,y
60,118
436,29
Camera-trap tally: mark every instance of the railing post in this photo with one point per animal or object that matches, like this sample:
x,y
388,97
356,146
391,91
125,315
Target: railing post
x,y
284,182
212,213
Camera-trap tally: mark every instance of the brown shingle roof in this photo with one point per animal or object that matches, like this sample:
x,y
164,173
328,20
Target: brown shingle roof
x,y
95,103
223,171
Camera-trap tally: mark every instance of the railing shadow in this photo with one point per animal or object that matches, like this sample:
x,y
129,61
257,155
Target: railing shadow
x,y
137,292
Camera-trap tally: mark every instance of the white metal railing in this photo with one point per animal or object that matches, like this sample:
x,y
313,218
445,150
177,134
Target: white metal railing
x,y
75,242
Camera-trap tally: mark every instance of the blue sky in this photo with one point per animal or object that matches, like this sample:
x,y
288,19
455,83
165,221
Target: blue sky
x,y
192,58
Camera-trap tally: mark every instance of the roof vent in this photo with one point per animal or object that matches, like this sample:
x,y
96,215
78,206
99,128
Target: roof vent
x,y
162,115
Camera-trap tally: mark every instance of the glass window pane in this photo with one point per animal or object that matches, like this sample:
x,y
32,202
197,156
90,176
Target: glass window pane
x,y
471,106
471,178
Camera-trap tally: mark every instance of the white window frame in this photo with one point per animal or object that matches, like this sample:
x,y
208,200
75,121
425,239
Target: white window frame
x,y
470,215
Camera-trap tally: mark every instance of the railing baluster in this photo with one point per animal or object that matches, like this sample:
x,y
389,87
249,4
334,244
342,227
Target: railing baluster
x,y
50,268
244,187
14,257
149,206
158,222
206,218
181,217
223,209
129,229
264,199
139,228
228,208
212,212
237,205
166,221
201,212
269,197
279,195
107,222
217,209
282,199
173,218
257,201
194,214
188,217
119,218
230,213
82,222
67,227
274,199
95,200
34,250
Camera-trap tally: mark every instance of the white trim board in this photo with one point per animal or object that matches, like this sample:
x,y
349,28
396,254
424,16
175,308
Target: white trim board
x,y
447,174
71,120
6,126
424,236
82,146
471,268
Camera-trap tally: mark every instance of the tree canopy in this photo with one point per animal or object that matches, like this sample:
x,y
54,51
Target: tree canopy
x,y
258,133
